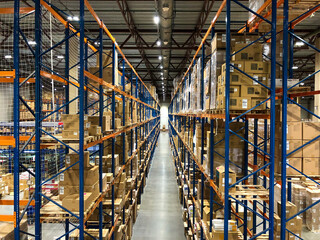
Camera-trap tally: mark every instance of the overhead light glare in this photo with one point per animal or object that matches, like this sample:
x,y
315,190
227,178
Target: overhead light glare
x,y
7,56
75,18
160,58
158,43
161,67
299,43
156,19
295,67
60,57
32,43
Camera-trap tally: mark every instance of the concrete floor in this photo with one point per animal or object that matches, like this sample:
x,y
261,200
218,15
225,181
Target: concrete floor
x,y
160,215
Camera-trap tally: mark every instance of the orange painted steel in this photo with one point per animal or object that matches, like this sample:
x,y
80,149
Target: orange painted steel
x,y
11,80
11,74
103,26
7,218
213,22
53,77
7,141
221,116
22,202
114,88
23,10
304,16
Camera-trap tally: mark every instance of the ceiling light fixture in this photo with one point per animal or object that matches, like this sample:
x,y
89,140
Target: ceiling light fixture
x,y
69,18
156,19
161,67
299,44
158,43
160,58
60,57
75,18
32,43
295,67
165,7
7,56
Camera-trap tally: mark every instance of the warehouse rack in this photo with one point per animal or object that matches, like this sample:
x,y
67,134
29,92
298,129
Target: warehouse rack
x,y
180,122
146,130
258,149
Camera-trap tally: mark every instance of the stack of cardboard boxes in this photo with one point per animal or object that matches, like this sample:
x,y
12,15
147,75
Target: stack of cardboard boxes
x,y
71,126
313,214
294,225
69,182
306,159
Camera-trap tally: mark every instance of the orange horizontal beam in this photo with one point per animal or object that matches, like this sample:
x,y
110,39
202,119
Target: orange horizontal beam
x,y
7,218
23,10
21,202
53,77
8,73
304,16
11,80
7,141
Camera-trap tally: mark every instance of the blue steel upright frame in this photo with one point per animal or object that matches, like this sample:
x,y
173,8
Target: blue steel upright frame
x,y
287,72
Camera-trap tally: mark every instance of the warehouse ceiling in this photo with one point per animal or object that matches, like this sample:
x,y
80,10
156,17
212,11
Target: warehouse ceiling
x,y
182,24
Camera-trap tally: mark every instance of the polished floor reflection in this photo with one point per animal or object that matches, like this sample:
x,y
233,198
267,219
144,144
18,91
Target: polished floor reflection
x,y
160,215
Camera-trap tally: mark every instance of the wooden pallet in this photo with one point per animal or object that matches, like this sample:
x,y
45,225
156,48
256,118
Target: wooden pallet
x,y
238,112
250,192
49,140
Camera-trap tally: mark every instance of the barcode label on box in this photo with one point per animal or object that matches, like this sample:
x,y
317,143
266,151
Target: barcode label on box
x,y
61,192
62,177
245,103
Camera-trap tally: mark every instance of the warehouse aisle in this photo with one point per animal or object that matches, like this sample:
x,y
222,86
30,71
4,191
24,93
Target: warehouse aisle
x,y
160,215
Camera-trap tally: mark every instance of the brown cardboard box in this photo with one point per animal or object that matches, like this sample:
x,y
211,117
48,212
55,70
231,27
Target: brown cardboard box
x,y
72,158
311,150
311,166
73,134
233,90
256,67
106,74
71,202
237,64
105,122
236,103
253,91
237,78
294,130
293,145
291,209
252,52
71,177
67,190
311,130
296,163
106,58
74,235
219,235
256,101
94,130
293,113
220,175
218,42
71,121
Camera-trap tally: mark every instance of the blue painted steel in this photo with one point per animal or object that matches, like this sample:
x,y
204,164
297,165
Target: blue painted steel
x,y
255,176
123,82
101,108
66,70
16,116
37,120
85,78
81,123
211,159
284,119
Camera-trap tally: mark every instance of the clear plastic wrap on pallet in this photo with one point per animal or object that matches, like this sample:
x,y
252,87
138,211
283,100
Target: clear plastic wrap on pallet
x,y
313,214
193,89
213,81
299,199
207,77
254,5
198,96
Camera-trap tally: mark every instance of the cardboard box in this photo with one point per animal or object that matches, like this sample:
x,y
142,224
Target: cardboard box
x,y
71,121
311,150
94,130
291,209
254,91
67,190
218,42
220,176
294,130
233,90
311,130
293,113
245,52
73,134
293,145
71,177
238,64
106,122
237,78
256,101
72,158
296,163
256,67
106,75
311,166
71,202
106,58
236,103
